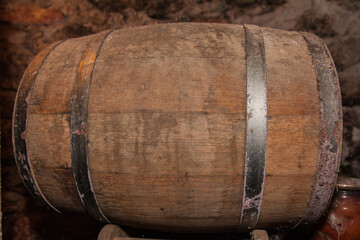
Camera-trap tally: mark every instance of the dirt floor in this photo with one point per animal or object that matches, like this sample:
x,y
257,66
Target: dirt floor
x,y
27,26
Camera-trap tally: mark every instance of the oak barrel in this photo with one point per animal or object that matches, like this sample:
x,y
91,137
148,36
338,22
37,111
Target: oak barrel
x,y
182,127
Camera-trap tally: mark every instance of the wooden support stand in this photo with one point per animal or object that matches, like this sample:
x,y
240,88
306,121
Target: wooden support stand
x,y
111,232
259,234
114,232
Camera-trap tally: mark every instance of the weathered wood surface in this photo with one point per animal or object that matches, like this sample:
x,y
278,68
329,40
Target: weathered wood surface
x,y
176,121
293,128
167,122
47,127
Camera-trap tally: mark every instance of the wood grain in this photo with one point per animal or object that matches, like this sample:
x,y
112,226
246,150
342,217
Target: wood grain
x,y
173,129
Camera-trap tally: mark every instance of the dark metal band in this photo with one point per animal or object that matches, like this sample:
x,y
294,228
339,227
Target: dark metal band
x,y
330,129
19,126
78,127
256,130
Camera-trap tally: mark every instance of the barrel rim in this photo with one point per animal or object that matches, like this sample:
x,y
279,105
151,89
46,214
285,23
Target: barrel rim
x,y
330,129
19,124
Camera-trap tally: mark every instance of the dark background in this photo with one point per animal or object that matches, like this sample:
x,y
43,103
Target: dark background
x,y
27,26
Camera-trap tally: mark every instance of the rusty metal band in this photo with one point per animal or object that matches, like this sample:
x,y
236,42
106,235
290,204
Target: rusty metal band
x,y
79,126
20,116
330,134
256,129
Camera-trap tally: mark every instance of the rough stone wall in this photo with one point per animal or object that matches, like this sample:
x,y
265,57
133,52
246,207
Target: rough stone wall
x,y
27,26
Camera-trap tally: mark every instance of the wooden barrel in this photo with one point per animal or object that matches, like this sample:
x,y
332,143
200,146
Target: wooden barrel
x,y
182,127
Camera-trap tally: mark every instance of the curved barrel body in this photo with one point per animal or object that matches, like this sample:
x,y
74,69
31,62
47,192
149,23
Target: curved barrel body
x,y
182,127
